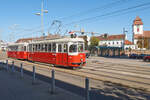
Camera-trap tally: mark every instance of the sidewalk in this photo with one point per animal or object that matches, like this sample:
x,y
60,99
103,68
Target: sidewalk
x,y
12,87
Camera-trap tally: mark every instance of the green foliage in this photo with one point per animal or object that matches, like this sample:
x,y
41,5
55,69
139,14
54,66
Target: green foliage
x,y
94,41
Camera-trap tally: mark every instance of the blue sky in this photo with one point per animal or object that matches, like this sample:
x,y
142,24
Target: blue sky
x,y
18,16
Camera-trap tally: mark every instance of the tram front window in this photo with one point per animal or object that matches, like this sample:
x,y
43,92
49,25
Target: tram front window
x,y
73,48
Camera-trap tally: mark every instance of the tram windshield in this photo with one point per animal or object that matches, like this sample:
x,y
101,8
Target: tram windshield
x,y
73,48
76,47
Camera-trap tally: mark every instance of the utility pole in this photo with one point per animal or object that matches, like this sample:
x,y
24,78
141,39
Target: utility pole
x,y
124,32
42,17
0,40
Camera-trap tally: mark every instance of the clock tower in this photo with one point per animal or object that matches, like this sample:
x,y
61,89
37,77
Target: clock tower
x,y
137,28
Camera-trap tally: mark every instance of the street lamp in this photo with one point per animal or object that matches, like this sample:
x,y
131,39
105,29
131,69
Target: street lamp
x,y
42,14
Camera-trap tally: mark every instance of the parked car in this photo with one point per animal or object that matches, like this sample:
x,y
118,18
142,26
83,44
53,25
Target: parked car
x,y
133,56
146,58
141,56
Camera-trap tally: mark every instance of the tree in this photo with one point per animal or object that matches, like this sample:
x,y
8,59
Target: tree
x,y
143,42
94,41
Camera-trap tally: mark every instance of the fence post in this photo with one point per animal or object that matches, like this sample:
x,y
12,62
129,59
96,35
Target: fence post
x,y
33,81
13,70
53,82
87,89
21,70
7,65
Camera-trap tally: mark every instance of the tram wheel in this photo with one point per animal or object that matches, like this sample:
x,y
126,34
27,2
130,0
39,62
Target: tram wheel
x,y
75,68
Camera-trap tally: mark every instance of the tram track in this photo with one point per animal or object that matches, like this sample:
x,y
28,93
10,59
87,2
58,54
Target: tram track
x,y
101,77
137,66
122,66
119,75
145,72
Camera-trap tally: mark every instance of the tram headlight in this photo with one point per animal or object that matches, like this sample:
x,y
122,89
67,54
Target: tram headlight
x,y
81,60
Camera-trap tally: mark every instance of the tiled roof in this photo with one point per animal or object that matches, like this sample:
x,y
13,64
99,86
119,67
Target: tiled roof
x,y
137,21
127,42
111,37
145,34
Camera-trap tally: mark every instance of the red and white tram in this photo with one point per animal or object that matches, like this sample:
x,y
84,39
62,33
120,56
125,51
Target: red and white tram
x,y
18,51
67,52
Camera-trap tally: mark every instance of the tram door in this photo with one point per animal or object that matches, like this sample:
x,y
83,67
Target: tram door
x,y
65,54
62,54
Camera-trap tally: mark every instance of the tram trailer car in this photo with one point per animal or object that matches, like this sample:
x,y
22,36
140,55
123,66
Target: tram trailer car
x,y
17,51
68,52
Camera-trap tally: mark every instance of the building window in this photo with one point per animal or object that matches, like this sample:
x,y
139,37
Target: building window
x,y
113,42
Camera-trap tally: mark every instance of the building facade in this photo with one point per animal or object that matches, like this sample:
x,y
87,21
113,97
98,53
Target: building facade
x,y
112,40
3,45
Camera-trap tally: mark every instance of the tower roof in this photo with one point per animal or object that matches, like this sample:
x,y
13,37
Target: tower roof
x,y
137,21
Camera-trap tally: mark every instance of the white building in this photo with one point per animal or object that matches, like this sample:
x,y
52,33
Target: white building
x,y
112,40
115,41
128,45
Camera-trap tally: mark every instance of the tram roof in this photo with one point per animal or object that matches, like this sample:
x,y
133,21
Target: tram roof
x,y
15,44
61,40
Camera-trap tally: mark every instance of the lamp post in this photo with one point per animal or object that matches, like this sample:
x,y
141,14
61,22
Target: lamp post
x,y
42,14
124,32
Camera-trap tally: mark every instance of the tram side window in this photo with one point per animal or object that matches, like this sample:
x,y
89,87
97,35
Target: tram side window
x,y
42,47
36,47
39,46
59,48
24,48
45,47
80,48
11,48
33,47
73,48
49,47
65,48
54,47
30,47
